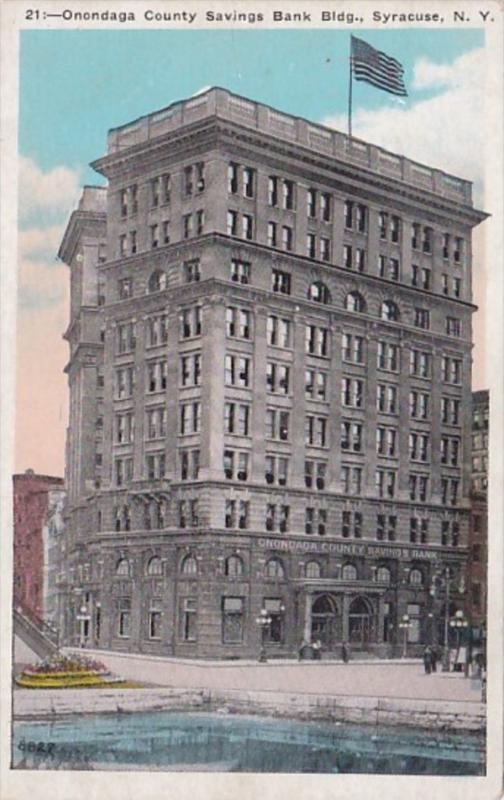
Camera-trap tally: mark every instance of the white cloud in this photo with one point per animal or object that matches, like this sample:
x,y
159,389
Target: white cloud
x,y
445,131
53,193
40,242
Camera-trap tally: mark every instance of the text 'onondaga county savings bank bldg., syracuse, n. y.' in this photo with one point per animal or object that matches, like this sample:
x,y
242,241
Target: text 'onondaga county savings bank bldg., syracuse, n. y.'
x,y
270,388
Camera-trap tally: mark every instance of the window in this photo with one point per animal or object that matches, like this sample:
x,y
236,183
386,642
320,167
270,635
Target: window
x,y
240,271
187,619
388,268
383,575
125,382
419,446
122,518
237,371
274,568
419,530
272,191
232,620
154,235
319,292
123,201
422,318
351,524
317,340
192,272
389,311
233,567
187,225
126,340
349,572
157,282
287,195
420,362
154,192
347,256
278,332
125,288
272,234
248,182
311,245
383,224
355,302
351,479
351,436
190,368
277,424
277,378
325,249
123,471
427,238
450,411
236,418
451,370
311,203
316,431
348,212
421,278
166,232
280,281
238,322
236,465
157,330
189,464
190,417
446,245
123,568
286,237
352,393
313,570
450,450
156,376
124,428
386,528
352,348
457,285
418,487
449,491
385,483
124,617
453,326
190,322
458,253
315,474
276,470
155,464
315,384
395,229
386,398
360,259
450,533
154,619
236,511
419,405
277,518
325,207
386,441
233,178
232,223
387,356
416,577
361,217
122,244
166,188
315,521
247,226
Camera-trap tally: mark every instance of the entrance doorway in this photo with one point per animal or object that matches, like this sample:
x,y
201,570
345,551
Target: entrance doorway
x,y
360,623
323,621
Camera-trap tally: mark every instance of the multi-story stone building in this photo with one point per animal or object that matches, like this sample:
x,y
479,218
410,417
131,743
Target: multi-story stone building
x,y
270,372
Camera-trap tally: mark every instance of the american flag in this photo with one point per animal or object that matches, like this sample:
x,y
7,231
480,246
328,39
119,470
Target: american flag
x,y
377,68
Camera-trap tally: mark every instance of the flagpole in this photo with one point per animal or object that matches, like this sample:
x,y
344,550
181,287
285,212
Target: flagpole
x,y
350,92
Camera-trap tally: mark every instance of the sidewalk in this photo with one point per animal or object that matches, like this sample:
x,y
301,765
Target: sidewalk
x,y
399,679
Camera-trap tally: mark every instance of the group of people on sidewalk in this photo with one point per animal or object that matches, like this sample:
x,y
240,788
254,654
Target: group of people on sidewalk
x,y
313,651
430,659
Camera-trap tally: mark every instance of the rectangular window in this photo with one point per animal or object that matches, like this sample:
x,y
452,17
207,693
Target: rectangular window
x,y
383,224
360,259
348,214
232,620
247,226
386,441
317,340
233,178
351,479
156,376
311,245
125,288
316,431
395,229
188,180
124,617
418,487
420,363
352,348
325,249
419,405
361,217
154,620
272,234
232,223
240,271
457,284
352,393
155,427
192,272
280,281
126,339
190,418
277,424
385,483
188,619
237,371
277,378
450,411
286,237
325,207
187,224
237,323
190,322
272,191
453,326
155,466
124,428
278,332
351,436
248,182
388,356
311,203
451,369
386,527
125,382
315,384
287,195
422,318
419,446
190,369
347,256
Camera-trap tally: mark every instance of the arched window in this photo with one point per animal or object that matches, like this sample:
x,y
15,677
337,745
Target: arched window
x,y
274,568
383,575
349,572
389,311
157,281
233,567
189,566
313,570
123,567
319,292
155,566
354,301
416,577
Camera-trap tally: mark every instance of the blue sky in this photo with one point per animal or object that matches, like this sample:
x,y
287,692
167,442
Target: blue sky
x,y
75,85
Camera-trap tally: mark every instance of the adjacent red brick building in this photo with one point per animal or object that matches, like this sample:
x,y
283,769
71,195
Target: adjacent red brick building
x,y
31,492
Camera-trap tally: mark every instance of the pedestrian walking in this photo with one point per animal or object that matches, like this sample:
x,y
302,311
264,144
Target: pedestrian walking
x,y
435,658
427,660
345,652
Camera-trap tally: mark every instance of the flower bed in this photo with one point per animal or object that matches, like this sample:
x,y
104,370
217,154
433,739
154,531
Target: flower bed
x,y
61,672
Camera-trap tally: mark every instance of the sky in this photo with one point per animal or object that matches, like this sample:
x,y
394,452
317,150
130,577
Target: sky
x,y
76,85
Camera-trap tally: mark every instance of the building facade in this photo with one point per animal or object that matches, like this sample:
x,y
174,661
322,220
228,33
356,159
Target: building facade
x,y
477,564
32,499
270,403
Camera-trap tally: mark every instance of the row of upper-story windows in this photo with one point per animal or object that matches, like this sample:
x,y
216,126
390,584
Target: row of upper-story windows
x,y
160,189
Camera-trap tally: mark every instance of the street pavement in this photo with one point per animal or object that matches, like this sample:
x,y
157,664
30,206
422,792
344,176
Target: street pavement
x,y
387,679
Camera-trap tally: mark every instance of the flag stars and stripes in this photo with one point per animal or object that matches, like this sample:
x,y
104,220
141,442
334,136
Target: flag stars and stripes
x,y
377,68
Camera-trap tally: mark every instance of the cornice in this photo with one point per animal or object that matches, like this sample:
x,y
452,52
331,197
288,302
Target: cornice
x,y
78,219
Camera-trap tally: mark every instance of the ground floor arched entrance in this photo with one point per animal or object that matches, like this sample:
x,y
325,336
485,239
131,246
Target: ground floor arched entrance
x,y
361,629
325,625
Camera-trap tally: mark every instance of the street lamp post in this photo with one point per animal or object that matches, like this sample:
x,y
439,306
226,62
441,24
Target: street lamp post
x,y
405,624
459,623
264,621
